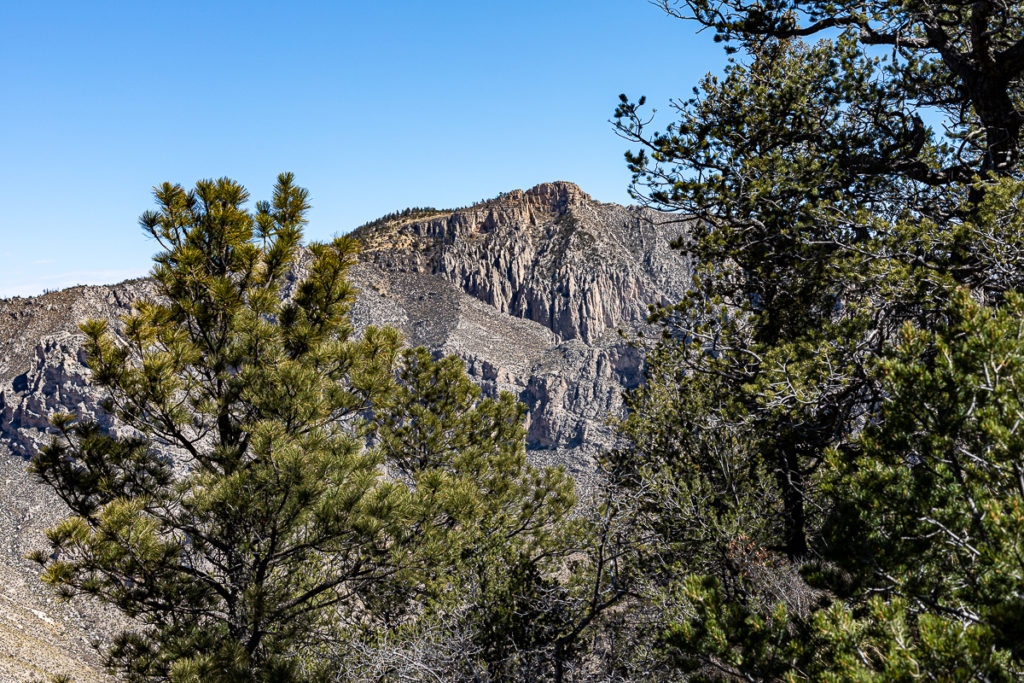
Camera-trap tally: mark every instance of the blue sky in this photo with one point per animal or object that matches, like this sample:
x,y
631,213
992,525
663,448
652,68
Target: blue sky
x,y
375,106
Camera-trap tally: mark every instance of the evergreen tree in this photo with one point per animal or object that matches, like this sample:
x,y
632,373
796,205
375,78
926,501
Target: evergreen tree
x,y
500,522
516,574
242,508
931,506
926,566
277,483
826,213
964,60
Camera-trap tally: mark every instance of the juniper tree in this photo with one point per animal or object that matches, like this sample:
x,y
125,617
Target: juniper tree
x,y
760,343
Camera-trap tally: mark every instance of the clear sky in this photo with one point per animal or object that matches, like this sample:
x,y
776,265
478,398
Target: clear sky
x,y
375,106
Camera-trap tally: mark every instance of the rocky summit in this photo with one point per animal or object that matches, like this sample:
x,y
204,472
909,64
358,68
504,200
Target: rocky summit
x,y
537,291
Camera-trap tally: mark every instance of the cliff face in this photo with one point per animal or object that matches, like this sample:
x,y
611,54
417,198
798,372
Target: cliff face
x,y
529,289
551,255
42,362
42,371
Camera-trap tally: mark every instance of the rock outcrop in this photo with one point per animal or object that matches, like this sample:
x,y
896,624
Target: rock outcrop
x,y
530,290
42,371
551,255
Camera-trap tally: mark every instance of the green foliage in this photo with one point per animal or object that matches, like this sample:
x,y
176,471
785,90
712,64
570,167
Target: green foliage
x,y
277,513
483,513
919,564
277,482
710,541
496,534
697,492
765,353
825,215
933,504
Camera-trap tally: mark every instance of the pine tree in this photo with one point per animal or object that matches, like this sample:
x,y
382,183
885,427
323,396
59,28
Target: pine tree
x,y
276,482
932,506
513,570
243,507
828,209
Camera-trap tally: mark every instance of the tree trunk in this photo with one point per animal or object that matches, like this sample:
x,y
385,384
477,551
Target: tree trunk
x,y
790,479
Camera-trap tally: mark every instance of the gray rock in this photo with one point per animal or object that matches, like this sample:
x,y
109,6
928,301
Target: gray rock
x,y
555,276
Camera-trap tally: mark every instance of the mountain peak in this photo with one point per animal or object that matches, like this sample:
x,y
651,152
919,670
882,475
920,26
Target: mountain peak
x,y
556,194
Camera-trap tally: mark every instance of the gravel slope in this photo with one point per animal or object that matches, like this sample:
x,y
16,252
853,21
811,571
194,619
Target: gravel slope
x,y
40,635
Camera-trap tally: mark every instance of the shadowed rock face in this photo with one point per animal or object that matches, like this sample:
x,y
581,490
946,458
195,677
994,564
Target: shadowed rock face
x,y
528,289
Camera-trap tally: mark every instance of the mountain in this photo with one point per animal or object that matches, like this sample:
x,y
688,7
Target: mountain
x,y
530,289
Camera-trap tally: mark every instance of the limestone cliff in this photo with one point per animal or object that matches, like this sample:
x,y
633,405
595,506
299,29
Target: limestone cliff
x,y
551,255
530,289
